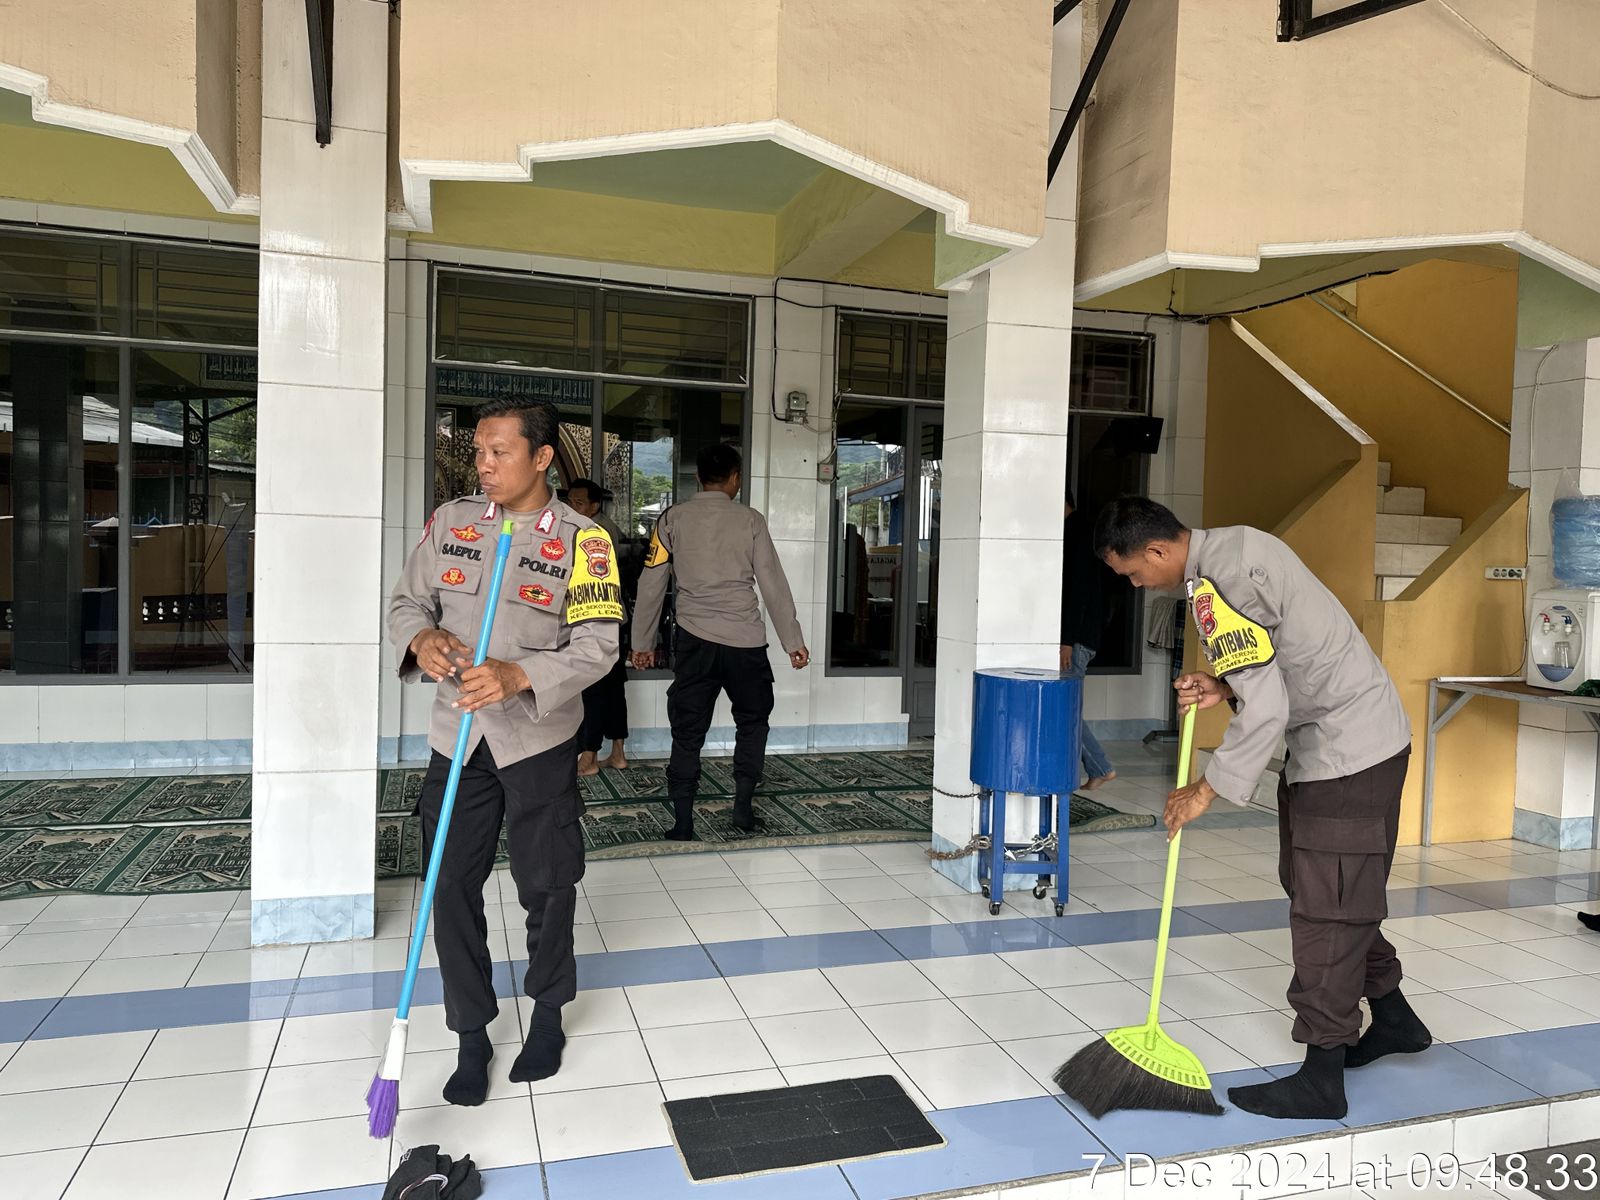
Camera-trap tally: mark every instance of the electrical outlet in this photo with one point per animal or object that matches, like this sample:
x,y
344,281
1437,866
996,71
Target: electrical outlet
x,y
1505,573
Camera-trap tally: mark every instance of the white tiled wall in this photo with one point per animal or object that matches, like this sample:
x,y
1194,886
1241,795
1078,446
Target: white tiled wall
x,y
1555,436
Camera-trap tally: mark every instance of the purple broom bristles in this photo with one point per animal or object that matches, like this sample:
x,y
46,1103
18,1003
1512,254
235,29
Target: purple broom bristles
x,y
383,1106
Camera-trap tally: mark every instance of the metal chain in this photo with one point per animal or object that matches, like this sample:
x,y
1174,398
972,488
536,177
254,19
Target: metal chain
x,y
981,842
957,795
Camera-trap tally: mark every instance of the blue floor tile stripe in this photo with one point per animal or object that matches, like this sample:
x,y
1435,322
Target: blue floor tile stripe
x,y
1016,1140
77,1016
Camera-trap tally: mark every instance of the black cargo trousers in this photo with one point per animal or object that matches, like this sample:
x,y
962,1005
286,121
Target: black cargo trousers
x,y
539,802
1336,844
700,671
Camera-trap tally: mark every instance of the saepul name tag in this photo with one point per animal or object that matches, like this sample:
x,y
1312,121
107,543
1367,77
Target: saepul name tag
x,y
1230,640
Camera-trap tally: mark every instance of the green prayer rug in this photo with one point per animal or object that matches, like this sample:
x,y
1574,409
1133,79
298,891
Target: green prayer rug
x,y
192,833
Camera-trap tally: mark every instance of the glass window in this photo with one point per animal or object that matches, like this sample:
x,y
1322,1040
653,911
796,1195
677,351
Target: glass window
x,y
458,391
869,502
185,295
515,322
675,336
59,438
191,539
898,357
63,285
653,435
1110,372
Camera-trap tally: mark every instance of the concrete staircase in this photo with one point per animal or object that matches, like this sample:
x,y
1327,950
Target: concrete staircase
x,y
1408,539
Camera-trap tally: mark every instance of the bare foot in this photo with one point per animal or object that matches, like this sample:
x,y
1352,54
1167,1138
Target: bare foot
x,y
1100,782
587,765
617,761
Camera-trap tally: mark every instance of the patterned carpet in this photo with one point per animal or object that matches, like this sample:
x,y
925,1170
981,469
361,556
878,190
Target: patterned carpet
x,y
135,836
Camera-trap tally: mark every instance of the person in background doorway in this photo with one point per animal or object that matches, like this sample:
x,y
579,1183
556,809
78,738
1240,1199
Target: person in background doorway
x,y
605,704
556,631
1083,622
718,551
1291,664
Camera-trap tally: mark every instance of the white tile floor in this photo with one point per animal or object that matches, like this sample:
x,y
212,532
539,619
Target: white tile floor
x,y
265,1108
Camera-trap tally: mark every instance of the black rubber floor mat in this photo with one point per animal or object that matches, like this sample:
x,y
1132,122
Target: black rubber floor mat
x,y
750,1133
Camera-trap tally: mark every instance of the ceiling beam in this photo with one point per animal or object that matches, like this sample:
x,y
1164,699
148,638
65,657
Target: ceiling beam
x,y
833,221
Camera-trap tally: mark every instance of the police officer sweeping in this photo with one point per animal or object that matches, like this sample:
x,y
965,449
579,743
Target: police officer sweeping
x,y
1291,664
555,633
717,551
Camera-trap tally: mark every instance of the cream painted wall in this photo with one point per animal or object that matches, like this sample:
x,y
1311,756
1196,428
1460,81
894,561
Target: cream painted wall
x,y
856,76
1211,139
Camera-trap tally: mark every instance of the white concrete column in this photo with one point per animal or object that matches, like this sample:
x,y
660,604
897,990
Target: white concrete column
x,y
320,441
1008,361
1555,430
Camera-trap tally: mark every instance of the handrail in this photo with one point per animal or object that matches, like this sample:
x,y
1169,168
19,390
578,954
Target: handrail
x,y
1300,384
1441,385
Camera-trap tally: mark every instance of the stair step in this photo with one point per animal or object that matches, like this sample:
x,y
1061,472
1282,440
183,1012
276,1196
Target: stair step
x,y
1404,558
1402,501
1418,531
1385,474
1390,586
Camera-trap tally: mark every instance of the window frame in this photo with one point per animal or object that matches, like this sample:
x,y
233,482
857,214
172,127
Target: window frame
x,y
908,406
126,343
596,379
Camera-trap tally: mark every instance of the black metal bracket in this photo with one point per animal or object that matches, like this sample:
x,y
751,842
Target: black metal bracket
x,y
1080,99
319,36
1296,22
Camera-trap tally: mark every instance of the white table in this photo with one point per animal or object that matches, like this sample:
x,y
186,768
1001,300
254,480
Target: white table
x,y
1496,687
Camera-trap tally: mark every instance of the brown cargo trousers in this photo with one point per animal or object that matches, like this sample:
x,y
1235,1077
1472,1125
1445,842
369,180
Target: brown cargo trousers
x,y
1336,845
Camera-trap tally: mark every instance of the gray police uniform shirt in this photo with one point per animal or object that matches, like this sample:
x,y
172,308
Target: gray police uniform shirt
x,y
559,615
1298,666
718,551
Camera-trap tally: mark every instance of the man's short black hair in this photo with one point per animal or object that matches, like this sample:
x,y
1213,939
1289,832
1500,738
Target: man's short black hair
x,y
594,490
1126,526
717,464
541,424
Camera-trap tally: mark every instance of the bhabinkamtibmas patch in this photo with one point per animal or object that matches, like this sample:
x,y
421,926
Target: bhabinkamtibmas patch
x,y
594,593
1231,641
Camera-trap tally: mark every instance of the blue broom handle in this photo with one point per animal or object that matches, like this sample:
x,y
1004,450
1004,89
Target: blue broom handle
x,y
447,806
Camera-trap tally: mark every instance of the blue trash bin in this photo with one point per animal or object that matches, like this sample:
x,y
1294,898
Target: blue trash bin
x,y
1024,741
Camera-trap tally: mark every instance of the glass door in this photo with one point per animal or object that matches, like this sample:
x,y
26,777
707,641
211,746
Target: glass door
x,y
920,605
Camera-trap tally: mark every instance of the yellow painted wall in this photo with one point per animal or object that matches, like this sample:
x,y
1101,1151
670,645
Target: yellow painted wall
x,y
1267,446
1563,164
583,225
952,94
1455,622
1432,441
63,166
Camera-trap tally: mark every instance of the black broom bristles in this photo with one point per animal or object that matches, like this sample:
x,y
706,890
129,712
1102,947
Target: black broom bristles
x,y
1101,1078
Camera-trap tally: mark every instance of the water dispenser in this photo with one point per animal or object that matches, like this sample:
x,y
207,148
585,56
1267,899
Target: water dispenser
x,y
1564,638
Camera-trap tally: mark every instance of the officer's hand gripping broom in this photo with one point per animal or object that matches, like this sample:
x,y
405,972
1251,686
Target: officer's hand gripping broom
x,y
1139,1066
383,1097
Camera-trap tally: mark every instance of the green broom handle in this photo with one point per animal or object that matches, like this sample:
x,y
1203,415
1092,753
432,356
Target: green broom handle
x,y
1170,888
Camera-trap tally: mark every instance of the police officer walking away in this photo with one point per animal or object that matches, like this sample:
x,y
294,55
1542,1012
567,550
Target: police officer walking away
x,y
1291,663
717,551
605,704
555,633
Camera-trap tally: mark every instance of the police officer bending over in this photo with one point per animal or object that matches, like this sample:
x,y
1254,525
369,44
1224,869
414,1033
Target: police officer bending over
x,y
717,550
1291,664
555,633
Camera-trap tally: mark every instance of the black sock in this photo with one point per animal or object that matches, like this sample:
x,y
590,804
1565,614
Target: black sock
x,y
1590,921
470,1084
682,821
1314,1092
541,1053
1395,1029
